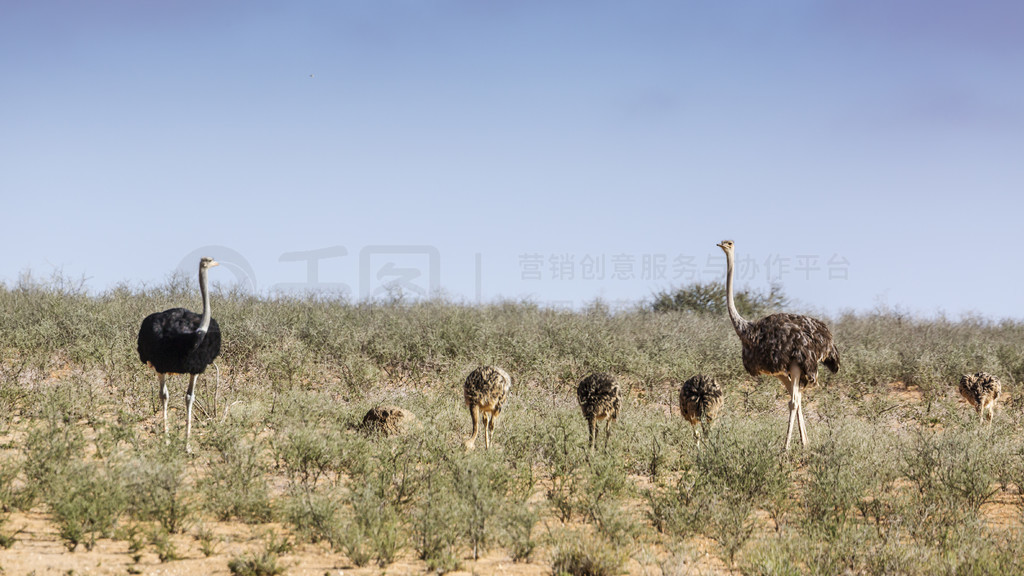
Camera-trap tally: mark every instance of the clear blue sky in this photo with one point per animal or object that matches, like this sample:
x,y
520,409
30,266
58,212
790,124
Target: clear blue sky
x,y
858,153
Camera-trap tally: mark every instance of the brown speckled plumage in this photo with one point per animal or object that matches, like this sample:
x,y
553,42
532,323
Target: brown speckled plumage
x,y
599,399
787,346
774,343
486,390
981,390
700,400
387,420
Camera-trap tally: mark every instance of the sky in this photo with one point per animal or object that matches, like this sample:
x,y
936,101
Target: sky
x,y
862,155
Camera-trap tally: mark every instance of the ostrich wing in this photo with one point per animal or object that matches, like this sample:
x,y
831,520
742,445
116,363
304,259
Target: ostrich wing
x,y
167,338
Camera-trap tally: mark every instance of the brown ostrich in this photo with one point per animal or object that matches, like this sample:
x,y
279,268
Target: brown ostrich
x,y
787,346
599,399
700,399
981,390
387,420
486,390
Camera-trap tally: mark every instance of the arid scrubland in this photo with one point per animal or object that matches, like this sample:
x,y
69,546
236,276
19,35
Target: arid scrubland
x,y
899,476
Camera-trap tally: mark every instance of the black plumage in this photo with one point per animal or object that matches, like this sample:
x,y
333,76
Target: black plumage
x,y
179,341
170,343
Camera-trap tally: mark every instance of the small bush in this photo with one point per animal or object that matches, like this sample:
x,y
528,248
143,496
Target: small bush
x,y
519,522
315,514
436,521
374,528
86,503
51,447
208,542
563,457
587,556
481,485
263,564
236,486
156,487
737,472
845,469
165,549
306,453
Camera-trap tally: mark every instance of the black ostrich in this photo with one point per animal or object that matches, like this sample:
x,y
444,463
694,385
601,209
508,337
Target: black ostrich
x,y
179,341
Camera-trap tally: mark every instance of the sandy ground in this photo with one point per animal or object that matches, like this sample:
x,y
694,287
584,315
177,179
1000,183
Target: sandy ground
x,y
39,550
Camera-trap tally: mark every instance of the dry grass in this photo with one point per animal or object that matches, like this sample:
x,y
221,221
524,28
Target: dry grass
x,y
897,478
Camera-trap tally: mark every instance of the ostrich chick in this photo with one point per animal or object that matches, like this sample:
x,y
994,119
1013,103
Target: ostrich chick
x,y
486,390
599,399
981,390
700,399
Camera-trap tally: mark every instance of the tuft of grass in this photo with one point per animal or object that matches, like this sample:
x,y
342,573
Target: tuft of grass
x,y
208,541
265,563
579,555
165,549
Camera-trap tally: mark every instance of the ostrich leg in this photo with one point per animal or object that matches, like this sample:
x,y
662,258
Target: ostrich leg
x,y
796,410
474,414
190,397
793,387
487,430
799,397
163,397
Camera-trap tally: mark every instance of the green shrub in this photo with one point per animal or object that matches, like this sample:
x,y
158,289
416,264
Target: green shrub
x,y
481,485
236,483
771,558
262,564
953,473
519,523
156,488
314,514
580,555
845,469
165,549
50,448
436,521
710,298
86,503
563,457
306,453
374,529
738,471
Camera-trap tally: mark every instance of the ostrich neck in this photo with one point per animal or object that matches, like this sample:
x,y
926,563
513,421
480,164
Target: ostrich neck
x,y
204,324
738,322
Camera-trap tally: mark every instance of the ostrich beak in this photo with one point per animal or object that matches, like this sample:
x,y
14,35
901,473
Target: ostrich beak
x,y
214,263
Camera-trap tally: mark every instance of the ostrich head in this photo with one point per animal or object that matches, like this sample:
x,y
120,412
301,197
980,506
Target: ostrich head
x,y
207,262
726,246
